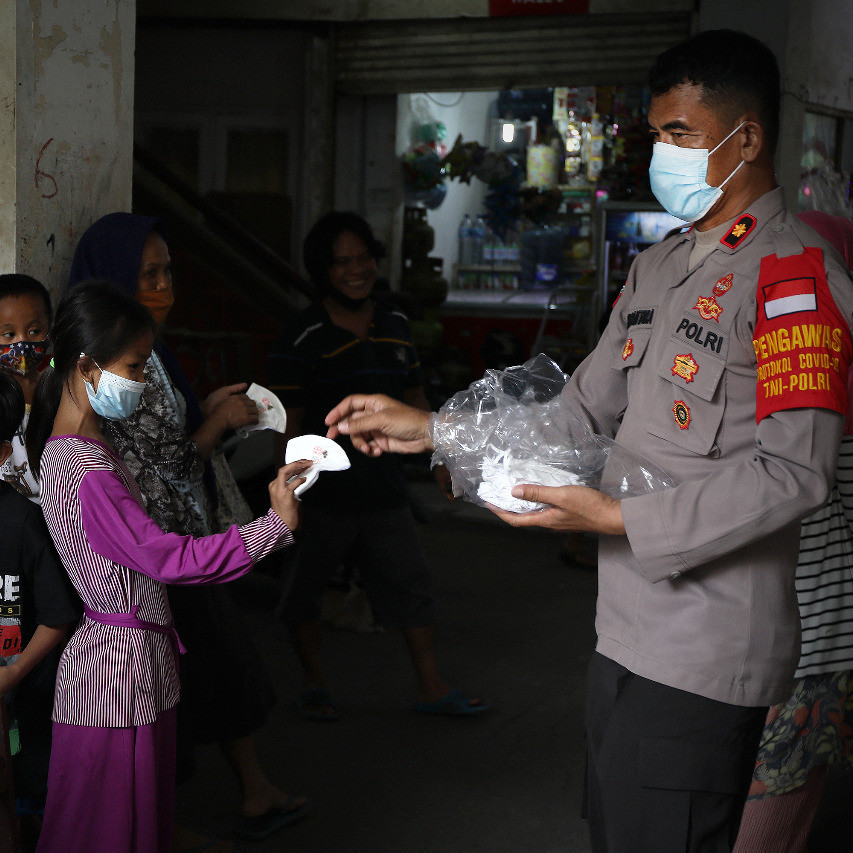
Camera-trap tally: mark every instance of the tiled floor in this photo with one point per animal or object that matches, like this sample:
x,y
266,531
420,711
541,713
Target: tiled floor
x,y
515,626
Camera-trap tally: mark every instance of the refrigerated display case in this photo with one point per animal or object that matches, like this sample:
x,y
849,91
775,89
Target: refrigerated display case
x,y
624,229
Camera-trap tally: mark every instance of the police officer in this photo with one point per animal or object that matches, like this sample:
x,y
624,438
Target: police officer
x,y
725,362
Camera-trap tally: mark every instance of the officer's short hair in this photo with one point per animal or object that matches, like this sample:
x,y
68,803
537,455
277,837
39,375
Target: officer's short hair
x,y
736,71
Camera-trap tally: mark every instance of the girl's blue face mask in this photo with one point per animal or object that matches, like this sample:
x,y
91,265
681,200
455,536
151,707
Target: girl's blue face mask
x,y
677,177
116,397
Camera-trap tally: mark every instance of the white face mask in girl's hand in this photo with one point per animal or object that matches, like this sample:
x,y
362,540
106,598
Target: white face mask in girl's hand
x,y
116,397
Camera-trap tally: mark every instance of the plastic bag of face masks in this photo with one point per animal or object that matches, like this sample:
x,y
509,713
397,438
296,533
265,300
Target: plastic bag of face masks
x,y
513,427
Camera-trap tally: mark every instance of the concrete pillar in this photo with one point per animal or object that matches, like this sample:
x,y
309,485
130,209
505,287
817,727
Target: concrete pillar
x,y
66,127
318,141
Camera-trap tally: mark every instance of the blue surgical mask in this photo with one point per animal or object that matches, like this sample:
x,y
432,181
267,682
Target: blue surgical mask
x,y
678,180
116,397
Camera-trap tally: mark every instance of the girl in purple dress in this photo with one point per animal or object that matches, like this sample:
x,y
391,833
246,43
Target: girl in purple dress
x,y
111,782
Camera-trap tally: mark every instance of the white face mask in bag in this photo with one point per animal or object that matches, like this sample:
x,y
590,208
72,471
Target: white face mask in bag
x,y
677,176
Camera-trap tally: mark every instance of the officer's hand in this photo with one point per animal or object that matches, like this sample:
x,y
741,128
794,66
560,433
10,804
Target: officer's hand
x,y
570,508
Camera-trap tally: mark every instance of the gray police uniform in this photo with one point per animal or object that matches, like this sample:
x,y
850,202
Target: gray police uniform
x,y
732,377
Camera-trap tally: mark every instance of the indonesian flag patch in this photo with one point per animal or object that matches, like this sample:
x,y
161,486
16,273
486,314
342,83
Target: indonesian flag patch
x,y
789,297
801,340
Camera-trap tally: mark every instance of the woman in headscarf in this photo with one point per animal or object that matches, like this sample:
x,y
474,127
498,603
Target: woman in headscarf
x,y
170,445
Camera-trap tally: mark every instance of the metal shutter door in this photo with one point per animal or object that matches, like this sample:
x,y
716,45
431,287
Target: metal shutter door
x,y
501,53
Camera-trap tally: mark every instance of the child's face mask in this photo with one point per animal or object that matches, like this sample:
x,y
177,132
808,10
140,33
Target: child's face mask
x,y
116,397
23,357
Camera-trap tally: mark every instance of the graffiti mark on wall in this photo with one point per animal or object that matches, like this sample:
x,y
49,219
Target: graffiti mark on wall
x,y
42,176
51,242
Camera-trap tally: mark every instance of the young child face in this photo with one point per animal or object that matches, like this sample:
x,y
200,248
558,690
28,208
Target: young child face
x,y
22,319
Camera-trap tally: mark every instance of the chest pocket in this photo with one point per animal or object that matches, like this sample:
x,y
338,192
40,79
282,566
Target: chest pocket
x,y
693,391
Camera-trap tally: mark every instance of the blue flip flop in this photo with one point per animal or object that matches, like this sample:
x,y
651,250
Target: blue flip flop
x,y
452,704
315,696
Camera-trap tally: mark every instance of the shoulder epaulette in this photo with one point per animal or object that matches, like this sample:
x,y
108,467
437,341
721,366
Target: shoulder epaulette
x,y
738,232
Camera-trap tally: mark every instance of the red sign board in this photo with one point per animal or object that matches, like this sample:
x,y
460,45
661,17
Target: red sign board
x,y
503,8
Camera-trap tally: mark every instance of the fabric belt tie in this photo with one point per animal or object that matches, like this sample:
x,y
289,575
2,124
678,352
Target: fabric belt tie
x,y
130,620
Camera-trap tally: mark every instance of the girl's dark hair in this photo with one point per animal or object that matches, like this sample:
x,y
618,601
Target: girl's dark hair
x,y
18,284
94,319
319,245
11,407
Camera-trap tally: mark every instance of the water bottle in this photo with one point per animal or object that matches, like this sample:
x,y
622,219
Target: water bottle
x,y
466,226
478,239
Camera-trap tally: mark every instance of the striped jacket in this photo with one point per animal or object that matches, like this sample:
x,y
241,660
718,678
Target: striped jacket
x,y
825,577
118,558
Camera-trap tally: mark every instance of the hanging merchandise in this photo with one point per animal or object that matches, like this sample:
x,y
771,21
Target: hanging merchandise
x,y
595,160
497,169
422,163
572,141
462,159
542,166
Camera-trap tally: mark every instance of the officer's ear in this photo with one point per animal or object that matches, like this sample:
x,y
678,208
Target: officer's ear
x,y
752,140
5,451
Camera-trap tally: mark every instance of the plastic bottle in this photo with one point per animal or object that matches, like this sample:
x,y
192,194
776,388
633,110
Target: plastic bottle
x,y
465,245
478,240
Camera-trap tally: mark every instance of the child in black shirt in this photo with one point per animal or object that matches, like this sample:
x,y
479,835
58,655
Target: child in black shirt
x,y
25,314
37,606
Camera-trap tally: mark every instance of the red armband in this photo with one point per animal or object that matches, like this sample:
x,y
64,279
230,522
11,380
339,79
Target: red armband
x,y
802,342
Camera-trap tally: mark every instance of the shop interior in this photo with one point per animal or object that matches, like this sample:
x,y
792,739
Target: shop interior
x,y
538,200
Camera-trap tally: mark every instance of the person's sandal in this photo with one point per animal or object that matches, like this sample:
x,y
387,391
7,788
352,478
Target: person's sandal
x,y
317,697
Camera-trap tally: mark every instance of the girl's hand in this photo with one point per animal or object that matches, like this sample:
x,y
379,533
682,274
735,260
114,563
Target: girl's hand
x,y
284,502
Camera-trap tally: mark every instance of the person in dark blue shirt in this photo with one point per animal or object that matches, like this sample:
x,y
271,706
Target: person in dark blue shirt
x,y
350,341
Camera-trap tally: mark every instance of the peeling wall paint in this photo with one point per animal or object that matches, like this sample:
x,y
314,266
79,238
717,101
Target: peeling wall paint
x,y
111,46
8,147
67,139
